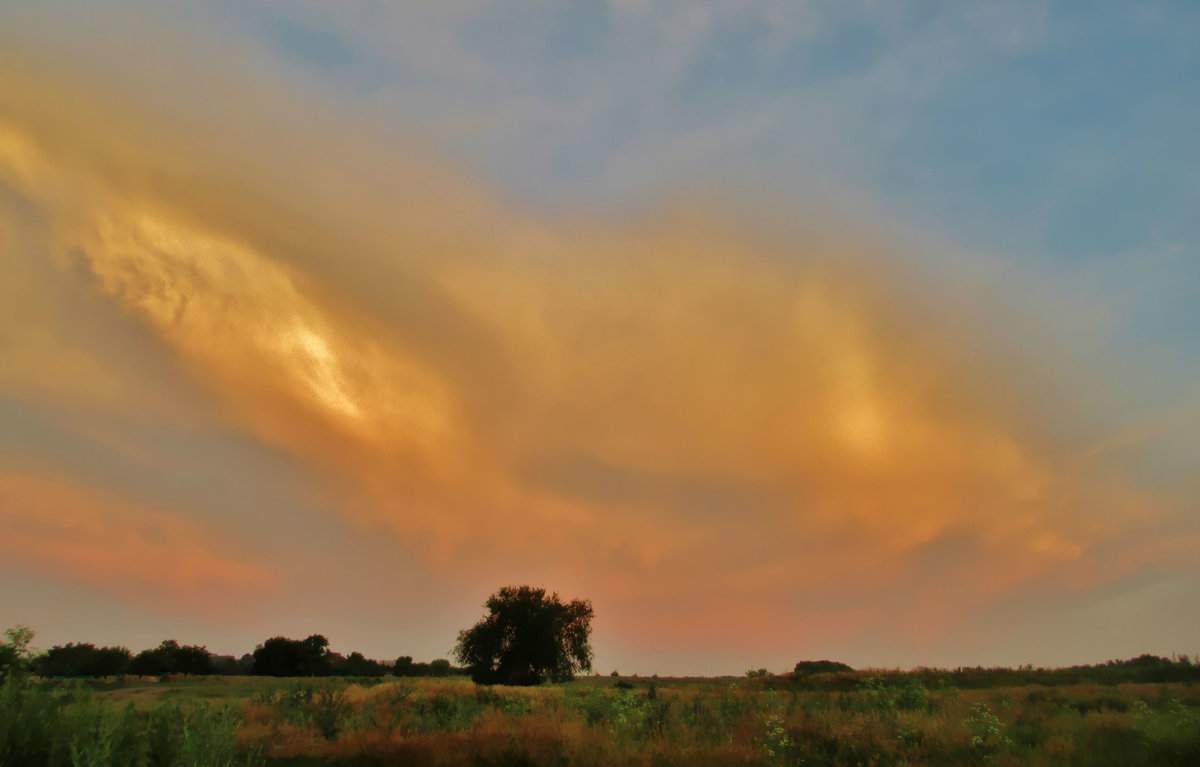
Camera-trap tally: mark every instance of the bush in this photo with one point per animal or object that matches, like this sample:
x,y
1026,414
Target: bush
x,y
806,667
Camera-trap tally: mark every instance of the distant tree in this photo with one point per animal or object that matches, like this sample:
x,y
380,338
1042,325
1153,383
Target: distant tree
x,y
226,665
8,660
64,660
315,656
357,665
15,652
158,661
440,667
819,667
193,659
280,656
84,659
526,638
404,666
147,663
111,661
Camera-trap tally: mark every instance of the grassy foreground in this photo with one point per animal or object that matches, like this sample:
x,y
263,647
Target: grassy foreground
x,y
862,719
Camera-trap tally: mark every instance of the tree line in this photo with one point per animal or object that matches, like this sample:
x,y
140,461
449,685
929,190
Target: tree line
x,y
277,656
528,636
832,676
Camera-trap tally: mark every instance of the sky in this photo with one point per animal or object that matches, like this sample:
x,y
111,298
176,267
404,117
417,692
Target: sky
x,y
778,330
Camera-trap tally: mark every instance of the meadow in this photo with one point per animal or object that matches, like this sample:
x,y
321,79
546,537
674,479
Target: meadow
x,y
876,718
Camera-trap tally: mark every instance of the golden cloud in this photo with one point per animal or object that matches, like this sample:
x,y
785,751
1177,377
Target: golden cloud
x,y
746,418
58,526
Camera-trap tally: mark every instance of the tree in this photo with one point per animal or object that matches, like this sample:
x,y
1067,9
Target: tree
x,y
280,656
15,652
315,657
84,659
358,665
227,665
193,659
157,662
8,660
805,667
526,638
111,661
404,666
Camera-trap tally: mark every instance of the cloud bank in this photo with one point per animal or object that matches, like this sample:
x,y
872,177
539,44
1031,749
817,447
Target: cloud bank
x,y
728,427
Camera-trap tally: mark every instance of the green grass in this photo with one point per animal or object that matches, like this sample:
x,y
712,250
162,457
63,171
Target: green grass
x,y
84,724
872,718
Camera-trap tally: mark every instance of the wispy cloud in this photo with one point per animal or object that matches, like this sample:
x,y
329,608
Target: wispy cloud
x,y
56,526
705,417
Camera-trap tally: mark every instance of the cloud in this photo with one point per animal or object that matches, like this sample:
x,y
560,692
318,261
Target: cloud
x,y
712,424
57,526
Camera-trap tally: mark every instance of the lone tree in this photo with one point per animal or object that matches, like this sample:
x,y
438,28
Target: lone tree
x,y
526,638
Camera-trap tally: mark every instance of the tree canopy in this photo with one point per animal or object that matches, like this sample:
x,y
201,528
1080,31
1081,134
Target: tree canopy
x,y
820,667
15,652
83,659
277,656
527,637
280,656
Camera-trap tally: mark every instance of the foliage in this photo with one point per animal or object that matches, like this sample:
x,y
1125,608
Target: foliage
x,y
405,667
170,658
357,665
62,725
15,651
987,731
280,656
820,667
527,637
777,743
1144,712
698,722
83,659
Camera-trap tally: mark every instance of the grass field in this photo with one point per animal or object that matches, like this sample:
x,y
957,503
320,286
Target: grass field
x,y
849,719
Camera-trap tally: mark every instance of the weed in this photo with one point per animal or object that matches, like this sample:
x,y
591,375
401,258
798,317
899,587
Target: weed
x,y
777,743
329,709
987,731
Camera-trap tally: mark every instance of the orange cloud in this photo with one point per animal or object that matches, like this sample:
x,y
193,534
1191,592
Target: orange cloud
x,y
702,423
64,529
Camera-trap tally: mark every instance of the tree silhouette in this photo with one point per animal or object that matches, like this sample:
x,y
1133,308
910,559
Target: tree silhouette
x,y
192,659
157,661
358,665
280,656
526,638
404,666
15,652
170,658
315,656
83,659
819,667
